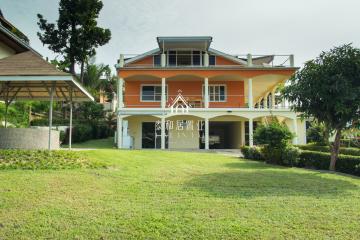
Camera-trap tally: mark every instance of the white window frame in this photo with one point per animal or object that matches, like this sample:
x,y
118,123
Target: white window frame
x,y
152,85
215,85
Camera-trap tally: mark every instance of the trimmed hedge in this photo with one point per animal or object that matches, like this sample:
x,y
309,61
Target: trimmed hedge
x,y
42,159
253,153
316,148
321,160
309,159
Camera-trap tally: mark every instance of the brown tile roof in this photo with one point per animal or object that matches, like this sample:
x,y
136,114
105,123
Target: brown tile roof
x,y
28,64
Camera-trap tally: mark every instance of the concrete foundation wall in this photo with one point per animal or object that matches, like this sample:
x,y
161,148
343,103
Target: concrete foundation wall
x,y
27,138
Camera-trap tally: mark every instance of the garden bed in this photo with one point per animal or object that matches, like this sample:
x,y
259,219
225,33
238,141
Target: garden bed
x,y
41,159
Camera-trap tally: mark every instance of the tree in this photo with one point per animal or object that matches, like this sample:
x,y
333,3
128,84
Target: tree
x,y
76,34
328,89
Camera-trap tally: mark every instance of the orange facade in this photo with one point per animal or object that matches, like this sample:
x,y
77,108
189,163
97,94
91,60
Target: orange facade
x,y
191,90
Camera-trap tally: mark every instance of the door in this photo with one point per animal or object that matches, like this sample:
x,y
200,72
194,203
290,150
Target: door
x,y
151,136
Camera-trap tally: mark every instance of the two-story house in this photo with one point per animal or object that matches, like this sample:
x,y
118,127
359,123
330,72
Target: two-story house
x,y
186,95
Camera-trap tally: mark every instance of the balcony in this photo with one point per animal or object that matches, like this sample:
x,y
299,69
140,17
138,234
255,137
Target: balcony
x,y
175,59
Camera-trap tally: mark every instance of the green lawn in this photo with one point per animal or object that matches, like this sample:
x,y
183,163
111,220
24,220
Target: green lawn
x,y
172,195
94,144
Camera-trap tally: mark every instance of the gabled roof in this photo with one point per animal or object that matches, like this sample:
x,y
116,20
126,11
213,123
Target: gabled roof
x,y
26,76
211,51
197,42
28,64
14,41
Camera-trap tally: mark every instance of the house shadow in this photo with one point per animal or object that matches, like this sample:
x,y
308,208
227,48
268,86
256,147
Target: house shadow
x,y
267,182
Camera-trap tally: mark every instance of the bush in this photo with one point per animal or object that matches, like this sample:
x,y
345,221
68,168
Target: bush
x,y
316,133
321,160
345,151
42,159
253,153
290,156
274,137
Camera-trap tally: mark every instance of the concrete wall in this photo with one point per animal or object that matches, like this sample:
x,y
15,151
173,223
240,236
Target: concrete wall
x,y
27,138
5,51
188,138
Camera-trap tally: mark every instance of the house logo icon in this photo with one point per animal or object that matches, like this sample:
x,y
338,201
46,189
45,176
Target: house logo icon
x,y
179,104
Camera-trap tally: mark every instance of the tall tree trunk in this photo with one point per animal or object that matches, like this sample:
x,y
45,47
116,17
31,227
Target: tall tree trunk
x,y
82,72
335,150
6,112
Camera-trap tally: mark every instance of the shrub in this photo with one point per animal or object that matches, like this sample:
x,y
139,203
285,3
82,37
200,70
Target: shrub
x,y
345,151
273,134
290,156
275,138
321,160
252,153
42,159
316,133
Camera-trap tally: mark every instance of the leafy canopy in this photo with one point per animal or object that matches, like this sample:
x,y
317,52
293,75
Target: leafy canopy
x,y
328,88
76,34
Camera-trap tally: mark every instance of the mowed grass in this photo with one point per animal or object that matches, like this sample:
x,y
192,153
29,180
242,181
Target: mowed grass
x,y
175,195
105,143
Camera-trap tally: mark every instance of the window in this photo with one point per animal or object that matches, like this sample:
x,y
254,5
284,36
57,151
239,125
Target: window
x,y
196,58
217,93
151,93
157,60
212,60
184,58
172,58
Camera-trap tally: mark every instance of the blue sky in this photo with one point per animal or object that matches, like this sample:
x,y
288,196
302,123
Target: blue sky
x,y
301,27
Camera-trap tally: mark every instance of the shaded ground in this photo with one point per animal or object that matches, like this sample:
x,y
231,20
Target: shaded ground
x,y
162,195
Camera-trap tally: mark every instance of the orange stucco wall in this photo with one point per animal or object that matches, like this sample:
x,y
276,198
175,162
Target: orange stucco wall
x,y
224,61
143,62
189,89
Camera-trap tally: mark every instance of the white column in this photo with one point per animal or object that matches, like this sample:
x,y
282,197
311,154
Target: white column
x,y
259,104
250,93
121,60
71,116
163,133
163,60
242,132
119,136
273,101
120,86
251,134
291,60
249,60
163,93
206,59
266,101
206,92
295,139
206,134
51,113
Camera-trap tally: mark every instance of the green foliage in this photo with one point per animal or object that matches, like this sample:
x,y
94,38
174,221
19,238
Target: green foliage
x,y
317,133
91,111
75,34
290,156
253,153
321,160
274,135
328,89
344,151
38,159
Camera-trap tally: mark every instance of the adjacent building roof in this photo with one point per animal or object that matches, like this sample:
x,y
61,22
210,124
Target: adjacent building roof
x,y
26,76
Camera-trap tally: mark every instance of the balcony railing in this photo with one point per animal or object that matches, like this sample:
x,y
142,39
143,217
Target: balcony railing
x,y
204,60
194,102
